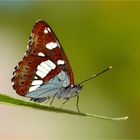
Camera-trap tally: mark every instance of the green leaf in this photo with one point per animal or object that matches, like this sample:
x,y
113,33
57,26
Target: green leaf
x,y
14,101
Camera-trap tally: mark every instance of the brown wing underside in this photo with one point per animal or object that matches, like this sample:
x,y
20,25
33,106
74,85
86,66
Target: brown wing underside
x,y
26,71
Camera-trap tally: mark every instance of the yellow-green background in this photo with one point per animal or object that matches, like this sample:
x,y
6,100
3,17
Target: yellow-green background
x,y
94,35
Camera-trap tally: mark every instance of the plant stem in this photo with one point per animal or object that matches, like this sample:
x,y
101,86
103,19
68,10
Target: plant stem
x,y
14,101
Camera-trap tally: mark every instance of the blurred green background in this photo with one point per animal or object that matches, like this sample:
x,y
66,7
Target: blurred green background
x,y
94,35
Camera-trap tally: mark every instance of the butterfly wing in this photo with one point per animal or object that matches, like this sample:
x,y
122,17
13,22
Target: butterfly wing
x,y
43,65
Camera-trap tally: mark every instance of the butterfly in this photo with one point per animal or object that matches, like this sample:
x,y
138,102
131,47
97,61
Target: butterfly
x,y
45,71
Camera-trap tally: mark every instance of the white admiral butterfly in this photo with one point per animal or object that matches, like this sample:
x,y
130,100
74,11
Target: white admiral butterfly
x,y
45,71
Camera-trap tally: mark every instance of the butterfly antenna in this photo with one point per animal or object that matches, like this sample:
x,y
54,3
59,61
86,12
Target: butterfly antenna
x,y
93,76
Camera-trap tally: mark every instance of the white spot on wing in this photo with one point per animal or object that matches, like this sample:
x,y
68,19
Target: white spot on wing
x,y
46,30
37,82
12,83
42,69
51,45
27,46
49,29
25,54
44,65
40,74
38,20
60,62
31,39
51,64
41,54
33,88
35,77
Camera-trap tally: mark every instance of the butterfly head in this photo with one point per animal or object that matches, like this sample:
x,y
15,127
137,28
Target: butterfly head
x,y
77,88
74,90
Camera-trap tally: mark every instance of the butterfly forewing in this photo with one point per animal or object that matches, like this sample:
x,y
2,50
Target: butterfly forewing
x,y
43,60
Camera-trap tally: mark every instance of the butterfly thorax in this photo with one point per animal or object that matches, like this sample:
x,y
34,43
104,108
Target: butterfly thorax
x,y
70,91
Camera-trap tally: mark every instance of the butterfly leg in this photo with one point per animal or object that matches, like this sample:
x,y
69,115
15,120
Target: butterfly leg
x,y
64,102
40,100
77,103
53,98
